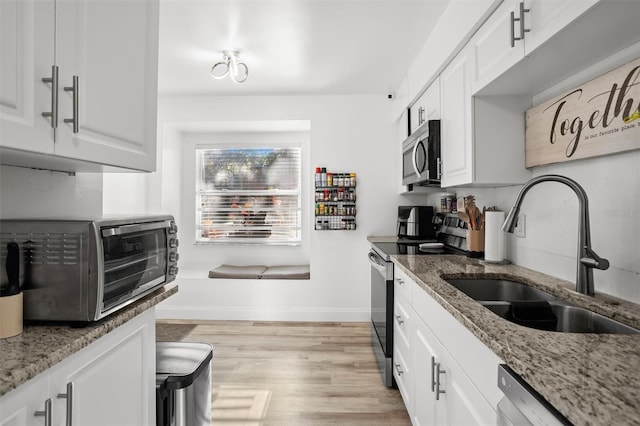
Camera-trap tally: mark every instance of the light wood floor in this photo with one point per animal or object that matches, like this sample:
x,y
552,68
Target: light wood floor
x,y
284,373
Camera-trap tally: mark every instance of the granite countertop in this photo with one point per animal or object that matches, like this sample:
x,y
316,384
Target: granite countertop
x,y
592,379
39,347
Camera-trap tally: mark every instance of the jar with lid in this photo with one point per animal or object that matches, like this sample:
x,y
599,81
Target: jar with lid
x,y
352,179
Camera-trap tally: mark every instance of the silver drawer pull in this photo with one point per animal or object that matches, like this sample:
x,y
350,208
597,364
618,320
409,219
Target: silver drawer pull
x,y
399,370
400,281
399,319
46,413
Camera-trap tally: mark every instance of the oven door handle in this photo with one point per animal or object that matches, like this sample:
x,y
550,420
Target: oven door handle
x,y
139,227
375,262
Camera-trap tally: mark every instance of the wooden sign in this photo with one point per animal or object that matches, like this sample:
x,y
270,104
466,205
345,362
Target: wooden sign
x,y
598,118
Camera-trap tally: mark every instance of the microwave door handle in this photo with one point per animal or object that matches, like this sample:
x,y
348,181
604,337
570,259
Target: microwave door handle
x,y
130,229
414,162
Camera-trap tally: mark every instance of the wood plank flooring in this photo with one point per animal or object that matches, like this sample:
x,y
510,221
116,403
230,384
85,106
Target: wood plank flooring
x,y
292,373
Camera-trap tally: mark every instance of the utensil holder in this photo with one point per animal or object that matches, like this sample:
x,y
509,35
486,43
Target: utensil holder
x,y
10,315
475,243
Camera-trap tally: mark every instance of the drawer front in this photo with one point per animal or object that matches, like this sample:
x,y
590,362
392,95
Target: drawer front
x,y
402,317
402,284
402,374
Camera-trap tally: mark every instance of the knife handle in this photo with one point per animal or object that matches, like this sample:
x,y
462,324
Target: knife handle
x,y
13,268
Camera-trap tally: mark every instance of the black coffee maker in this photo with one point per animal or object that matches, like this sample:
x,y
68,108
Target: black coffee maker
x,y
416,223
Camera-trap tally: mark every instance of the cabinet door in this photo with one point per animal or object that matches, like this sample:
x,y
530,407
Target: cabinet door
x,y
27,52
18,407
547,17
426,349
113,379
491,46
427,107
112,48
456,122
463,402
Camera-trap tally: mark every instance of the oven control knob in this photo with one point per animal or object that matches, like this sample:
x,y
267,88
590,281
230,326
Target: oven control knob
x,y
173,257
173,243
173,270
173,228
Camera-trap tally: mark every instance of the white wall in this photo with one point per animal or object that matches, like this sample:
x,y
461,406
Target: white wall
x,y
30,193
348,133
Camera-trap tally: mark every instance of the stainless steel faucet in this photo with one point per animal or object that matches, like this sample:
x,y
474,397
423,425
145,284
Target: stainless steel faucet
x,y
587,258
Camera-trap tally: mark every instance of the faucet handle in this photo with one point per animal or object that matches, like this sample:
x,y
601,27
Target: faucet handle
x,y
592,260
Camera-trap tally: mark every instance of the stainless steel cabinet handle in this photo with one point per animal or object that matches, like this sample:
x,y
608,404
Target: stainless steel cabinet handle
x,y
522,24
421,119
399,370
520,19
54,96
46,413
433,374
399,318
438,373
400,281
75,88
69,397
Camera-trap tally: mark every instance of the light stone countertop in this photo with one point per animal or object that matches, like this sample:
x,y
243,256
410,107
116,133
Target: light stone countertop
x,y
592,379
39,347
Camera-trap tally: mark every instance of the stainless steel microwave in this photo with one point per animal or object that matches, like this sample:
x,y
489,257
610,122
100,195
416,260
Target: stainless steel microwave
x,y
421,161
81,270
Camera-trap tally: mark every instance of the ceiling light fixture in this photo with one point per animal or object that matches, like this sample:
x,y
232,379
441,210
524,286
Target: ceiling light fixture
x,y
232,66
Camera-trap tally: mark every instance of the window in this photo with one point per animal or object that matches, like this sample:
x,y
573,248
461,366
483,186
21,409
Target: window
x,y
248,195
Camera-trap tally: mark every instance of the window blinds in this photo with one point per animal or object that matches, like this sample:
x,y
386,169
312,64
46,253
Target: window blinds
x,y
248,195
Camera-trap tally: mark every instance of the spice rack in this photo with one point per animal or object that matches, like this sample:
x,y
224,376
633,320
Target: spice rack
x,y
335,198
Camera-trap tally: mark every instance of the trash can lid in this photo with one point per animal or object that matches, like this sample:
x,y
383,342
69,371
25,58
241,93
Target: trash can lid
x,y
178,364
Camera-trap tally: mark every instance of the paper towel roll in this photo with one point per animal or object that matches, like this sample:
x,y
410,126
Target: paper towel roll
x,y
494,237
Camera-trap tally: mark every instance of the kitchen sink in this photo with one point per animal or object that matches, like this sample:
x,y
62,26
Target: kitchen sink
x,y
533,308
570,319
502,290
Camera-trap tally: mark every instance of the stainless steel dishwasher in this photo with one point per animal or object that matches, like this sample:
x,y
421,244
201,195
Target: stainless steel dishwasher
x,y
522,405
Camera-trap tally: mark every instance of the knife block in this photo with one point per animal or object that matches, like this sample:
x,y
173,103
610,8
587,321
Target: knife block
x,y
10,315
475,243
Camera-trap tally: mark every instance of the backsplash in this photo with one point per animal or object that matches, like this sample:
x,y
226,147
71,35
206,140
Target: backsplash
x,y
30,193
612,184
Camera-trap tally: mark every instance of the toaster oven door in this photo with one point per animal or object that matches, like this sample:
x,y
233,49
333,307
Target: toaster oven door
x,y
135,261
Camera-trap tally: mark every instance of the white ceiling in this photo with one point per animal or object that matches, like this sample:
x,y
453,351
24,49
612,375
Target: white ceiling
x,y
292,46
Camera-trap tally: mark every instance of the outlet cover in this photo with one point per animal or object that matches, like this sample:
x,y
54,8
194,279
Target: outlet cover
x,y
519,231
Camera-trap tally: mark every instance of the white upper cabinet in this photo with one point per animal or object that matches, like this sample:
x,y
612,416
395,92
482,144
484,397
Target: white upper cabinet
x,y
106,54
27,52
427,107
515,30
492,48
456,123
545,18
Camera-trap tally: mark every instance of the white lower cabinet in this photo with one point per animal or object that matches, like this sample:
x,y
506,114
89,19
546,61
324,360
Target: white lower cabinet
x,y
18,407
439,384
111,382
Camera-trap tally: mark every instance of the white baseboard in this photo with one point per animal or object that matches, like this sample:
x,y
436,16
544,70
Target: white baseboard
x,y
244,314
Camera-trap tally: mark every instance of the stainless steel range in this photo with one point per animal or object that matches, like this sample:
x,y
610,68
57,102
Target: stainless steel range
x,y
451,241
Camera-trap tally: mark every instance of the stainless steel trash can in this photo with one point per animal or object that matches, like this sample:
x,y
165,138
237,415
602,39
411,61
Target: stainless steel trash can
x,y
183,384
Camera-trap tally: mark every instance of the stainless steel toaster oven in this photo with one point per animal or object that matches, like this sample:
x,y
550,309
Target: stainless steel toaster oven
x,y
81,270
